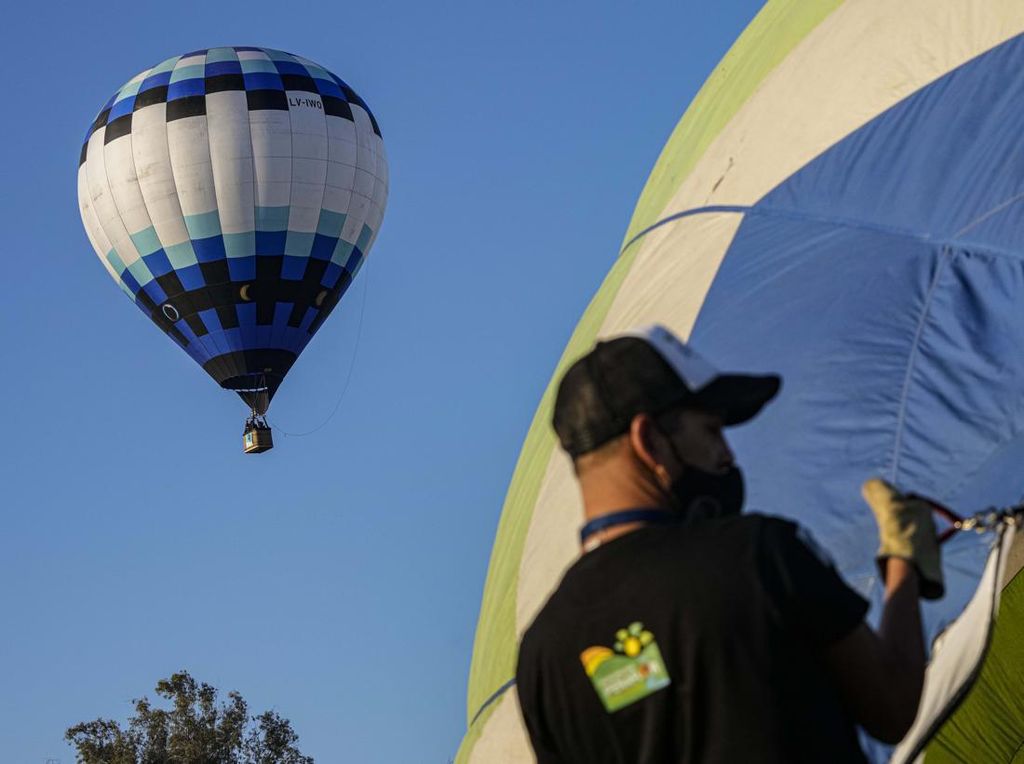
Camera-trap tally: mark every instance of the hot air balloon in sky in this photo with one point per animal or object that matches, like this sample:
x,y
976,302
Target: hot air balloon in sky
x,y
842,203
233,194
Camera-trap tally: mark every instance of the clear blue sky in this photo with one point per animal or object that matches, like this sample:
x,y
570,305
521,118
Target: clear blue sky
x,y
337,578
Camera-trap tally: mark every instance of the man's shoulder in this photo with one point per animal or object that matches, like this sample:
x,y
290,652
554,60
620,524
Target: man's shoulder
x,y
774,532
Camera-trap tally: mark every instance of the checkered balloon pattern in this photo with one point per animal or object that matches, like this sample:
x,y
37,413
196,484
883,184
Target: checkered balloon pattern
x,y
233,194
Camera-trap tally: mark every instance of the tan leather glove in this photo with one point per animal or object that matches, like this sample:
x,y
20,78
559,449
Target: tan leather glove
x,y
906,530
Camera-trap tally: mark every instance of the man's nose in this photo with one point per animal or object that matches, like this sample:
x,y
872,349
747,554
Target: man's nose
x,y
727,458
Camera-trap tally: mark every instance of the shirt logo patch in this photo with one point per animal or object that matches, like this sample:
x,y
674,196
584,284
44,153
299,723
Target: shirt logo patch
x,y
630,672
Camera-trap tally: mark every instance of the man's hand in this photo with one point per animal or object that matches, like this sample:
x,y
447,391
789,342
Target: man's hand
x,y
907,532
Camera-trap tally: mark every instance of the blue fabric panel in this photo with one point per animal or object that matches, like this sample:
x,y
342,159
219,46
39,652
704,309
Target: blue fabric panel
x,y
328,88
293,267
247,324
158,263
323,247
122,107
155,292
223,67
264,336
948,161
191,277
262,81
155,81
291,67
242,268
270,242
331,275
130,282
282,311
209,249
185,88
307,319
186,330
355,262
210,320
229,339
294,339
849,317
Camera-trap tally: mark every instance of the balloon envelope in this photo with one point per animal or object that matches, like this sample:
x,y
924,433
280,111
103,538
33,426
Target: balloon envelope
x,y
842,204
233,194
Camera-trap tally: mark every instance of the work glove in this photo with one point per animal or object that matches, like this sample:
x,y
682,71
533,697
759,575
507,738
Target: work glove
x,y
906,531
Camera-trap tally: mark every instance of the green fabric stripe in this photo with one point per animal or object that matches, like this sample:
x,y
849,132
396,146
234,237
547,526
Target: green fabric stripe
x,y
130,89
989,725
298,243
777,28
364,238
240,244
181,255
141,272
146,241
203,225
272,218
331,223
189,72
256,65
166,65
216,55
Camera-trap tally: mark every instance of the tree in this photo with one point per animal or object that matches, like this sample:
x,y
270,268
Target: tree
x,y
197,730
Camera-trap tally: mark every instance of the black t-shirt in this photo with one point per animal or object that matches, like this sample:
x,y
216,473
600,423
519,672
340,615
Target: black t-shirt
x,y
691,643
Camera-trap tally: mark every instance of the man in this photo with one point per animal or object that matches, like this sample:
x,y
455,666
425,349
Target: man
x,y
687,632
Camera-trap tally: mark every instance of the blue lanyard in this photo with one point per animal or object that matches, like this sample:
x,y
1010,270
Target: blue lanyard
x,y
660,516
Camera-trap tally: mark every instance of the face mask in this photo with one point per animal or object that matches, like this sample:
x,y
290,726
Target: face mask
x,y
700,495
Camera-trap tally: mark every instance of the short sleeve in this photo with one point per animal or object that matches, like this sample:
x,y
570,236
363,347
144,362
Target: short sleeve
x,y
804,586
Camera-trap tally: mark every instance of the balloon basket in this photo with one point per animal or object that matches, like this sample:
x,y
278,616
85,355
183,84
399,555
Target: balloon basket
x,y
257,437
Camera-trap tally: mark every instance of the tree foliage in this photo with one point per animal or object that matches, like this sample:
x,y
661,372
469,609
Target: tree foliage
x,y
197,730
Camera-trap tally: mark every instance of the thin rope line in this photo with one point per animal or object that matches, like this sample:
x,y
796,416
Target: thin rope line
x,y
493,697
348,377
901,414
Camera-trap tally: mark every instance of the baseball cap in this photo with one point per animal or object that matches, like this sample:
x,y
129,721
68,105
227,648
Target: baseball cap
x,y
647,371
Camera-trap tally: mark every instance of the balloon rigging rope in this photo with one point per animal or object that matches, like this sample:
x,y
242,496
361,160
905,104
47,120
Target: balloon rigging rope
x,y
348,376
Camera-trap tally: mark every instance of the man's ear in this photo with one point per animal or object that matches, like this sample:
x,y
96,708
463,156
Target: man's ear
x,y
643,433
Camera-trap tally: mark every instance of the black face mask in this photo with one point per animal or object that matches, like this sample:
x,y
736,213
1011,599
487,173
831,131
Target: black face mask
x,y
700,495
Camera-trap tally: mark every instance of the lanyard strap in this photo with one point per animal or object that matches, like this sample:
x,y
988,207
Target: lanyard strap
x,y
660,516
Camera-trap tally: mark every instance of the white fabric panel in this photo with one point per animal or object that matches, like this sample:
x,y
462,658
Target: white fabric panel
x,y
504,738
364,182
227,117
188,144
863,58
93,231
272,156
309,159
341,134
198,59
103,202
342,151
156,178
124,184
958,651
